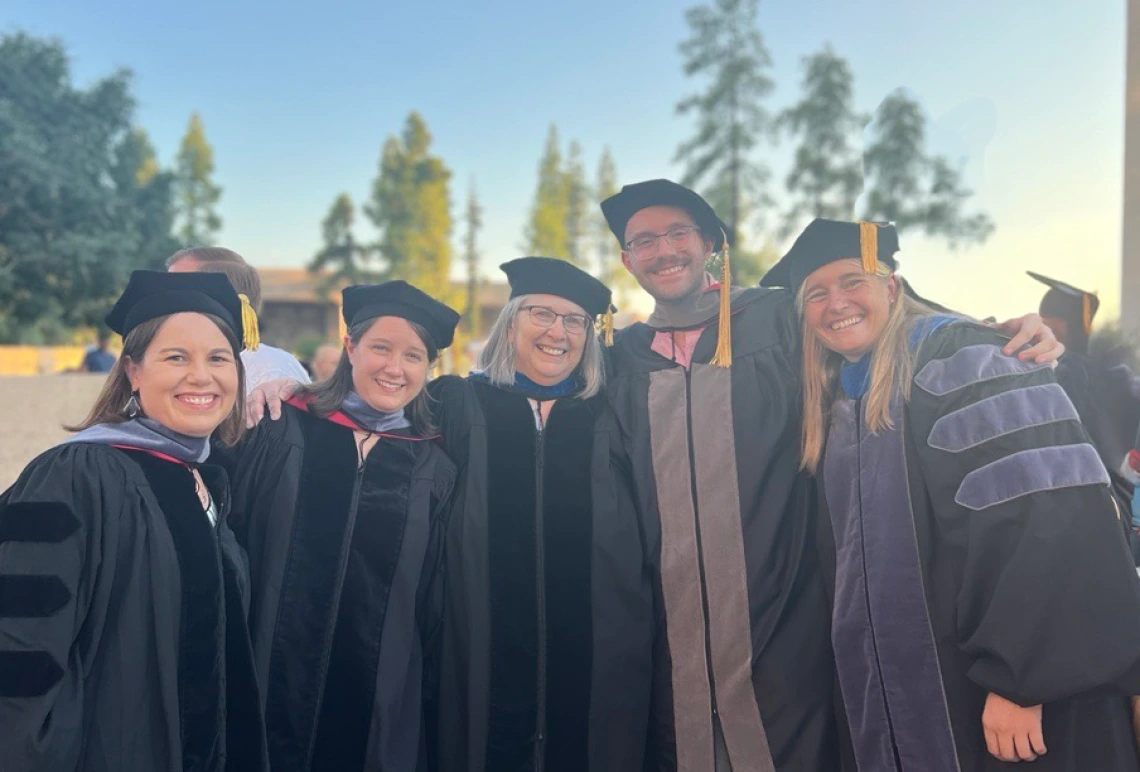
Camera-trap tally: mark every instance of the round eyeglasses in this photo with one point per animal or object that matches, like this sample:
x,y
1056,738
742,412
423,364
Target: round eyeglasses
x,y
546,317
644,246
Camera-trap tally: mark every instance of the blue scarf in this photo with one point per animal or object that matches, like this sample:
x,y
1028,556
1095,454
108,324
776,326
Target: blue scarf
x,y
529,388
147,434
855,377
371,419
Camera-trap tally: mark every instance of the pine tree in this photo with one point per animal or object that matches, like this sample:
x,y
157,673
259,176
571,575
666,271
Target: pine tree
x,y
546,230
197,195
913,190
827,175
149,195
342,260
725,46
609,267
411,207
473,219
577,201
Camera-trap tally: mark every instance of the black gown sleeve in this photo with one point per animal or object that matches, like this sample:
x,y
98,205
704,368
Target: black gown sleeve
x,y
1049,603
53,524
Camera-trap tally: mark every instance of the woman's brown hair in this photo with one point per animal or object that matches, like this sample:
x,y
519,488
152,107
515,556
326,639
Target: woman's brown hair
x,y
110,405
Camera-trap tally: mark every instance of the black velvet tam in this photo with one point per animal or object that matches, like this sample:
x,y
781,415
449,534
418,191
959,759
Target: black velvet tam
x,y
551,276
151,294
398,298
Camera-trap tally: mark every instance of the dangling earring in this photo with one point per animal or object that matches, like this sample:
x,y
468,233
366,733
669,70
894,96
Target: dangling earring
x,y
133,408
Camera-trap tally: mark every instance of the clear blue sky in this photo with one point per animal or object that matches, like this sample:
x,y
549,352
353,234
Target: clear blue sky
x,y
297,100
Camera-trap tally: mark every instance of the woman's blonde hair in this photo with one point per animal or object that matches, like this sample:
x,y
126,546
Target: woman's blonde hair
x,y
891,371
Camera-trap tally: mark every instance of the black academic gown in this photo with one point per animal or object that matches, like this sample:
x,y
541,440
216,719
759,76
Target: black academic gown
x,y
743,644
123,645
973,548
1108,401
548,630
342,561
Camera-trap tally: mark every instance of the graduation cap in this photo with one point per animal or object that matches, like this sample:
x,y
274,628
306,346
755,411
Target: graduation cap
x,y
620,208
362,302
1068,302
151,294
825,241
551,276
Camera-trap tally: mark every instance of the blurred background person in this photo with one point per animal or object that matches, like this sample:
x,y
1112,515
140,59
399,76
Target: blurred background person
x,y
100,359
265,362
325,360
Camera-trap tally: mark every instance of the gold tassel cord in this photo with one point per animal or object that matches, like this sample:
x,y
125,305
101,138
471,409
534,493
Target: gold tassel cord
x,y
341,326
1086,312
869,246
251,336
608,327
722,357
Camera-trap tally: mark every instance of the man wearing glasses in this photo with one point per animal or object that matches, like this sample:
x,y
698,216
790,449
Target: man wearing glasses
x,y
710,410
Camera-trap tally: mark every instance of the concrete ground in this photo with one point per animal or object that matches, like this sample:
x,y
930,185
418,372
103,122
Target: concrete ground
x,y
35,409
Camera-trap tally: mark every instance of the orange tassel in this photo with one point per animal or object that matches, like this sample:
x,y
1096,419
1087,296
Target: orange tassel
x,y
869,246
722,357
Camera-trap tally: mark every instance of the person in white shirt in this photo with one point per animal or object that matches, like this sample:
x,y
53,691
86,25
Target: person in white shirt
x,y
266,362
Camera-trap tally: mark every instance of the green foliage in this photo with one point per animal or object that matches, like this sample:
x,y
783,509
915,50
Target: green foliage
x,y
306,347
149,195
910,188
411,207
546,231
71,176
342,260
577,200
610,269
827,175
473,219
725,47
197,195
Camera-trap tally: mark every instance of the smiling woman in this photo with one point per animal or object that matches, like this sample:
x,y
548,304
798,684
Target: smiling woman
x,y
970,522
343,503
123,530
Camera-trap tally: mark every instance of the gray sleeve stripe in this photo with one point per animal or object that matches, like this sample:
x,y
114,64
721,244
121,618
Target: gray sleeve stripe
x,y
969,365
1031,471
1001,414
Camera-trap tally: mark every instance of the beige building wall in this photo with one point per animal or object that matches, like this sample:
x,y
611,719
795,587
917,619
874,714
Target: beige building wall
x,y
1130,237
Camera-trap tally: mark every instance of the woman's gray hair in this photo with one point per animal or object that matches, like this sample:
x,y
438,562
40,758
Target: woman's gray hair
x,y
497,359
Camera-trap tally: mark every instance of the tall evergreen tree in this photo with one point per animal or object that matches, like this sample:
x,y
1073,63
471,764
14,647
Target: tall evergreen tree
x,y
342,260
609,267
910,188
411,207
546,229
473,220
149,194
197,194
577,201
827,175
726,48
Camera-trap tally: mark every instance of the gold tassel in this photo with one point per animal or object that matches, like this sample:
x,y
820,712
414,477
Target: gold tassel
x,y
722,357
251,337
341,325
608,327
1086,312
869,246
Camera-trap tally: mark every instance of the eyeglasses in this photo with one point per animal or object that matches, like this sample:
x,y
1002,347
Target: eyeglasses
x,y
645,246
545,317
